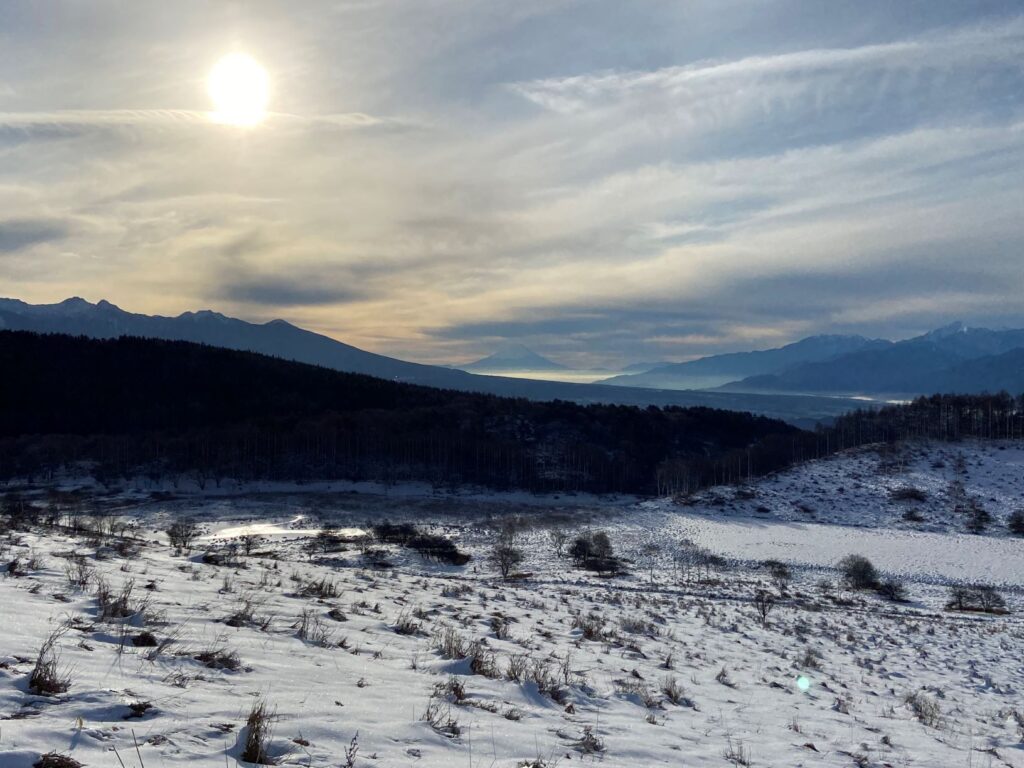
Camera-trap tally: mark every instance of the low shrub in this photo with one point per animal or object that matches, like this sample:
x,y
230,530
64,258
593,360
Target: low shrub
x,y
258,729
48,678
56,760
438,548
982,598
908,493
182,534
858,572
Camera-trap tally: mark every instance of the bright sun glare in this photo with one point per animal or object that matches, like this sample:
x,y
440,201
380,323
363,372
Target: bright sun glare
x,y
240,90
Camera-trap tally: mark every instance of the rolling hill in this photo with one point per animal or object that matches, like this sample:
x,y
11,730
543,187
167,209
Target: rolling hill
x,y
278,338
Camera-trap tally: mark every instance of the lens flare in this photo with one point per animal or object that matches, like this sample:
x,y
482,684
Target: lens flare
x,y
803,683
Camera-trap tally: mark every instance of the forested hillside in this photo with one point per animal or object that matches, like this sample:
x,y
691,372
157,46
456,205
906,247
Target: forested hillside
x,y
129,406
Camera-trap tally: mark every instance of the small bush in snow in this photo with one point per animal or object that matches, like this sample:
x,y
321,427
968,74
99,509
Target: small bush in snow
x,y
546,681
589,743
145,640
594,552
453,689
737,754
117,605
438,548
78,572
674,692
258,728
908,493
592,626
516,668
219,657
892,589
976,597
405,624
47,677
913,516
312,629
482,660
55,760
858,572
450,644
325,589
182,534
395,533
780,573
439,717
924,708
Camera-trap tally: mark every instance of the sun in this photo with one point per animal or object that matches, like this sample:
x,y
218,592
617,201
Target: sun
x,y
240,90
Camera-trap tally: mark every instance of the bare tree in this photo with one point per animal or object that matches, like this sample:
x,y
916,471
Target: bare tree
x,y
649,557
505,556
249,543
780,573
183,533
559,538
764,601
691,558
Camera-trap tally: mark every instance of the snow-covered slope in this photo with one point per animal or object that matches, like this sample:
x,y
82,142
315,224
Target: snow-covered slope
x,y
912,487
654,668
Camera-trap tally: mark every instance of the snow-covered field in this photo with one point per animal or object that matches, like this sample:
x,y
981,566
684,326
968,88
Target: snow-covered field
x,y
555,667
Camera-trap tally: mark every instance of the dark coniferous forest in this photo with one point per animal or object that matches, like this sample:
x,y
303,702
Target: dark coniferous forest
x,y
130,406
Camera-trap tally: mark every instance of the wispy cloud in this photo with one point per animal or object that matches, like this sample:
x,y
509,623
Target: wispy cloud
x,y
98,118
975,46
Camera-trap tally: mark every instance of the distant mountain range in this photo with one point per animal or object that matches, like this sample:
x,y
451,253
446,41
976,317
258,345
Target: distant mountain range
x,y
102,320
278,338
954,358
644,367
513,358
714,371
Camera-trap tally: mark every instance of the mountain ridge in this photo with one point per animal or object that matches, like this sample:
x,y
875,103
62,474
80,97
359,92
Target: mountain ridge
x,y
281,339
512,357
715,370
952,358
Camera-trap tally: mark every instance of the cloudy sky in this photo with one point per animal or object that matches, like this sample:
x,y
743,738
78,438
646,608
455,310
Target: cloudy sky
x,y
605,181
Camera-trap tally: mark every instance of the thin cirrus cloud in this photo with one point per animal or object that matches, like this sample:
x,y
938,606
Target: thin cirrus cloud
x,y
975,46
434,181
99,118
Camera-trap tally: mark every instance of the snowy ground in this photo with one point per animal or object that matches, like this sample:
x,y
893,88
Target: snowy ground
x,y
887,684
861,488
